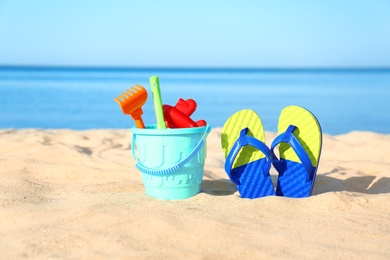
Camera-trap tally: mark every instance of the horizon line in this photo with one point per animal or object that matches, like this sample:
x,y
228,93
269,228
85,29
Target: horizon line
x,y
196,68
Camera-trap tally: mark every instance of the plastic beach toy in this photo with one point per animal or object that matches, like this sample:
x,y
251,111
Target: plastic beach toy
x,y
178,116
155,85
171,160
248,159
131,102
300,140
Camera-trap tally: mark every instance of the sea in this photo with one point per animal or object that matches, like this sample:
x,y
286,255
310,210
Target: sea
x,y
343,100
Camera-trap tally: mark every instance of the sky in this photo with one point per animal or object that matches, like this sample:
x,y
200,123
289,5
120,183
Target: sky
x,y
146,33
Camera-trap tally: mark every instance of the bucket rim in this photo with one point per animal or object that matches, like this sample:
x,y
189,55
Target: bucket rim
x,y
152,130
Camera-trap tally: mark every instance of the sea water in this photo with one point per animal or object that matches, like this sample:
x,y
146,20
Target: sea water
x,y
82,98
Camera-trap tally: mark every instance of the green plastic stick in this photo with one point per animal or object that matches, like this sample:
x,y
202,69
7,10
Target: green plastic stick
x,y
155,85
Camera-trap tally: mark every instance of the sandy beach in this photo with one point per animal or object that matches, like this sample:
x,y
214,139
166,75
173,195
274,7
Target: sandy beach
x,y
68,194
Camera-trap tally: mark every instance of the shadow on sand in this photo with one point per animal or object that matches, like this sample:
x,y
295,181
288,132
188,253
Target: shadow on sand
x,y
324,183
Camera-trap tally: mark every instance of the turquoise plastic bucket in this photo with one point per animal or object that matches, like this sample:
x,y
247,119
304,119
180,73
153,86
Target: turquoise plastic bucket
x,y
171,161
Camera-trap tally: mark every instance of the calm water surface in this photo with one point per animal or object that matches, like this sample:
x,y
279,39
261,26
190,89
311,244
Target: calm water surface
x,y
82,98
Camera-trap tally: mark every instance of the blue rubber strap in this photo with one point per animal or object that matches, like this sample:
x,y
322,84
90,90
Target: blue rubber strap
x,y
173,168
242,141
289,138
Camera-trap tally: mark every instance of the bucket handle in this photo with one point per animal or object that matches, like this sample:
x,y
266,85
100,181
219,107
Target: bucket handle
x,y
173,168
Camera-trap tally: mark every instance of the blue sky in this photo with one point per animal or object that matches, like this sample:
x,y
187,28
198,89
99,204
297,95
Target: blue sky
x,y
349,33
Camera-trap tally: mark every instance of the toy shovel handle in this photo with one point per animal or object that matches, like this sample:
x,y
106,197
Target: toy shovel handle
x,y
155,85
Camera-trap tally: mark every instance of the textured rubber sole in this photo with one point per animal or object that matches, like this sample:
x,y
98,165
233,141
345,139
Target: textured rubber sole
x,y
293,181
231,132
249,165
308,133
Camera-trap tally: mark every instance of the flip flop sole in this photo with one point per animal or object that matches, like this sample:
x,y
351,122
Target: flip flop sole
x,y
253,183
293,182
248,166
231,132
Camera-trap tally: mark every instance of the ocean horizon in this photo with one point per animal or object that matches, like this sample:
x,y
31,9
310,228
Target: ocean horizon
x,y
343,99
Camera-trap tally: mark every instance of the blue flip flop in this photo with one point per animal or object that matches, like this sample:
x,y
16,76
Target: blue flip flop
x,y
300,140
248,159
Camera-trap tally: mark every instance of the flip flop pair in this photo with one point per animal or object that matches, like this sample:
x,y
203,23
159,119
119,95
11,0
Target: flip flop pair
x,y
249,160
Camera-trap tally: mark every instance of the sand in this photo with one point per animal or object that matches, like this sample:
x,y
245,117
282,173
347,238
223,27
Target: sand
x,y
76,195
